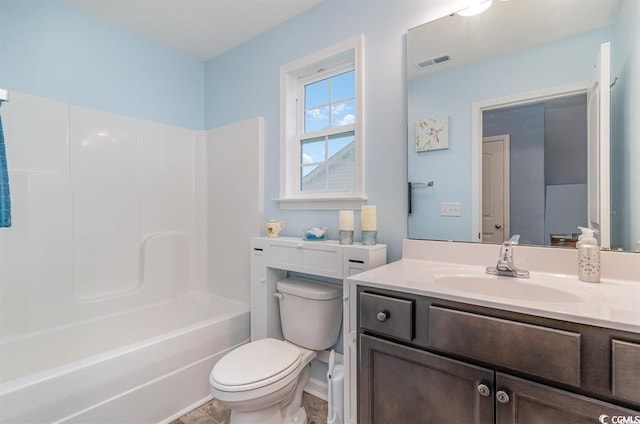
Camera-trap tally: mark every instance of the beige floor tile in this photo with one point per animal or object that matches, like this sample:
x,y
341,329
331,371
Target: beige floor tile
x,y
214,413
316,409
198,417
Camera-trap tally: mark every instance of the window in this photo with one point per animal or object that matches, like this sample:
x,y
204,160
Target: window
x,y
321,135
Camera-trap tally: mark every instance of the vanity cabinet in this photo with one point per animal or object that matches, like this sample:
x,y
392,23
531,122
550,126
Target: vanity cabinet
x,y
428,360
393,386
522,401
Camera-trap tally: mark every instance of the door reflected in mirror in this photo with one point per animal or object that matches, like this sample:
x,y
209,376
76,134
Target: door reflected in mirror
x,y
545,143
515,89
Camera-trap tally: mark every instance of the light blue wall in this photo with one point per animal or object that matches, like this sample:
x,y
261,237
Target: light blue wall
x,y
52,50
452,93
244,82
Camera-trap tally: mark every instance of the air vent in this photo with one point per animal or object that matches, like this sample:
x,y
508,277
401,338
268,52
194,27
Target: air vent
x,y
432,61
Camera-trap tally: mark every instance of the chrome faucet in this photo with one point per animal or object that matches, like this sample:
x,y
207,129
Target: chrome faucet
x,y
505,264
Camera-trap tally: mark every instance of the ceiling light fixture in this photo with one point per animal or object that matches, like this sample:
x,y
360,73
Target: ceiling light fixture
x,y
475,9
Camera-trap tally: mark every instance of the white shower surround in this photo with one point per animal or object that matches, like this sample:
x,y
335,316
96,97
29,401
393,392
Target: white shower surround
x,y
107,259
102,204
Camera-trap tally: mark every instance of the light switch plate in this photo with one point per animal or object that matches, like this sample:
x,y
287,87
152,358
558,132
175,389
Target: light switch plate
x,y
450,209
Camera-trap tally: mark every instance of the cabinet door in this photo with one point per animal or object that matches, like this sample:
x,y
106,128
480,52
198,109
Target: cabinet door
x,y
402,385
523,402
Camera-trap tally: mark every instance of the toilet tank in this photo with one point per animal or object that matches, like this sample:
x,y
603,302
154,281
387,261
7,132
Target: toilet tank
x,y
310,312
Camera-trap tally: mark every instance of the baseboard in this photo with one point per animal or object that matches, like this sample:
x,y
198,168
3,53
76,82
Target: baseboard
x,y
317,388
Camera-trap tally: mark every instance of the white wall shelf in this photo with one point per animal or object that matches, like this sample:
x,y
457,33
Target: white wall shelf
x,y
272,258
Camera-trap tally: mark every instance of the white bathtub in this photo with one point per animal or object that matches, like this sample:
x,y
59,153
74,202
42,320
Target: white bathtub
x,y
145,365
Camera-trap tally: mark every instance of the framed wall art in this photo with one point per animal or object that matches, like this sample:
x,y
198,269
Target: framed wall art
x,y
432,133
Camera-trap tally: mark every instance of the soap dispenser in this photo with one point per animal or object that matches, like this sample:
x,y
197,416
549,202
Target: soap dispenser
x,y
588,256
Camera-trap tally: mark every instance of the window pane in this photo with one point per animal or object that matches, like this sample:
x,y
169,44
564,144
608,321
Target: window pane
x,y
307,169
313,178
313,150
316,94
343,113
342,172
343,86
340,143
341,162
316,119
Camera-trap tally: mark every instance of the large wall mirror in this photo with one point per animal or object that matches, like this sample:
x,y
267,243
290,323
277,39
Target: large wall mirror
x,y
522,120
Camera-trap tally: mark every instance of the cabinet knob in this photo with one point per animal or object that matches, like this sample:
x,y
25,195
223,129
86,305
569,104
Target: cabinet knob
x,y
502,396
484,390
382,316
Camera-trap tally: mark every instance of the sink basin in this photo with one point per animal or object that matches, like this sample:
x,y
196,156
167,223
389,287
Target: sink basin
x,y
507,288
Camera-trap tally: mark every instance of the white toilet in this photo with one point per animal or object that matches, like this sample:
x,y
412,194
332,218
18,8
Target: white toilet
x,y
262,381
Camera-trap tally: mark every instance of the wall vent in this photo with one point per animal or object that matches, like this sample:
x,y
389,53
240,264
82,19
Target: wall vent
x,y
432,61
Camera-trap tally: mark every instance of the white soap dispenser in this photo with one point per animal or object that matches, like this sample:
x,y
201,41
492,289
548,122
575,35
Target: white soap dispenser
x,y
588,256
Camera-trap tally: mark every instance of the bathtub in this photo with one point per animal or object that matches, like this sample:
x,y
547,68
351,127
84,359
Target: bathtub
x,y
145,365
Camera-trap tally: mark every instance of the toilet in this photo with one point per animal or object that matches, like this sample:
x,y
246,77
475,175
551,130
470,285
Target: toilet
x,y
262,381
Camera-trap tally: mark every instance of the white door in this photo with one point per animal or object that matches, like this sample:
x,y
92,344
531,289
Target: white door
x,y
598,147
495,189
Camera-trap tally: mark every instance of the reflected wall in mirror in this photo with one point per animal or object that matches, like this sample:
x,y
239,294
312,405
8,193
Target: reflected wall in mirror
x,y
521,73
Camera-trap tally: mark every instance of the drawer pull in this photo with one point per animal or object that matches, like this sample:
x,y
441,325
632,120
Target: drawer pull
x,y
484,390
502,397
382,316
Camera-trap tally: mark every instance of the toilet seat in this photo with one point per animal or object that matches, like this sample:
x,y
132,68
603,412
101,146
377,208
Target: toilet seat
x,y
255,365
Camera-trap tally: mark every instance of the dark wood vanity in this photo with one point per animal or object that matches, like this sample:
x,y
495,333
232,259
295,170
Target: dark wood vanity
x,y
428,360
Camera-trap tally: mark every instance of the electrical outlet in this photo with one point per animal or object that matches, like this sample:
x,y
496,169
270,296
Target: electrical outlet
x,y
450,209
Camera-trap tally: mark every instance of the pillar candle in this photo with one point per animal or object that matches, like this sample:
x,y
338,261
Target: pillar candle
x,y
346,220
368,218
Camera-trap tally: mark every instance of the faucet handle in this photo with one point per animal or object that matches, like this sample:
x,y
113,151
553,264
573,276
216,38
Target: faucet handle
x,y
513,240
505,264
505,250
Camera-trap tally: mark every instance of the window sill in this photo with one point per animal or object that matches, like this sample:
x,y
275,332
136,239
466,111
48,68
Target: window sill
x,y
321,203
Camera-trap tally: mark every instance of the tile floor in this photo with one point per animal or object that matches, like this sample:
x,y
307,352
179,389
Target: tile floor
x,y
214,413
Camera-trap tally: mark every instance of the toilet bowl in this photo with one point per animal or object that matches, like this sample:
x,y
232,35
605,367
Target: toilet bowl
x,y
259,379
262,381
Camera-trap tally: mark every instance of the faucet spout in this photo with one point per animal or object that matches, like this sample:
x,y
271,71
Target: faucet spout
x,y
505,265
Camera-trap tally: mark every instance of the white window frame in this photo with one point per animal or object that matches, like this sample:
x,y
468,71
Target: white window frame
x,y
330,61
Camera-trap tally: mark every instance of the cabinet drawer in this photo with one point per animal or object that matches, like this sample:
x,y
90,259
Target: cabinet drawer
x,y
545,352
317,258
387,315
625,370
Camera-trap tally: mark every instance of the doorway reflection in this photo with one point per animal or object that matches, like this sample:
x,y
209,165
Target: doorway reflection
x,y
535,171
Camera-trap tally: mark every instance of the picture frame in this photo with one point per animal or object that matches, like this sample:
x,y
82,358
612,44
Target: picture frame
x,y
432,133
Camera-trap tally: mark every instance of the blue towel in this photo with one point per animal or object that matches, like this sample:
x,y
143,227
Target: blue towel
x,y
5,200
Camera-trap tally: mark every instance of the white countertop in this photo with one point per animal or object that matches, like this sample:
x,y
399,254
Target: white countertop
x,y
610,303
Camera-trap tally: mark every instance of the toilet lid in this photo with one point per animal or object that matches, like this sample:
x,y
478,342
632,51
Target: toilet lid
x,y
256,364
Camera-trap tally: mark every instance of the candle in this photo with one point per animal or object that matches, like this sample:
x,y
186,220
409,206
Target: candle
x,y
368,218
346,220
